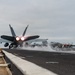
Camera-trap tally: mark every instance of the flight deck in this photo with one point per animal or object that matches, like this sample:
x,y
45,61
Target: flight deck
x,y
57,63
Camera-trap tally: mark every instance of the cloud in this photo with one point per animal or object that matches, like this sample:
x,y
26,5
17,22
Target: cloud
x,y
48,18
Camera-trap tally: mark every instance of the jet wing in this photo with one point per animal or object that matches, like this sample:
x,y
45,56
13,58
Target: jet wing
x,y
9,38
31,37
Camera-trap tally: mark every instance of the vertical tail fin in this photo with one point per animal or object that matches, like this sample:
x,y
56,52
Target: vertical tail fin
x,y
12,31
25,31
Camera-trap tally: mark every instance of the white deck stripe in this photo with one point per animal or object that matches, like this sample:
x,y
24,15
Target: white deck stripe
x,y
26,67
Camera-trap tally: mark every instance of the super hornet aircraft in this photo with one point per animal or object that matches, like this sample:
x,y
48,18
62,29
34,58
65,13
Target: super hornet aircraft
x,y
15,41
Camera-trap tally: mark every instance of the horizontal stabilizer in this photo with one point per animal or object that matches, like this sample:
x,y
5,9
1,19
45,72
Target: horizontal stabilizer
x,y
32,37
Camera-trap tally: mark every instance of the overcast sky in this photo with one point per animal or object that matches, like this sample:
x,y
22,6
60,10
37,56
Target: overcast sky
x,y
52,19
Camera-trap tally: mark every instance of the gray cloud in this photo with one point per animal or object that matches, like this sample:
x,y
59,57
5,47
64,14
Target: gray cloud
x,y
48,18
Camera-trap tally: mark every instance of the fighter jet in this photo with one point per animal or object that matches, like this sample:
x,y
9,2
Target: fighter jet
x,y
14,41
